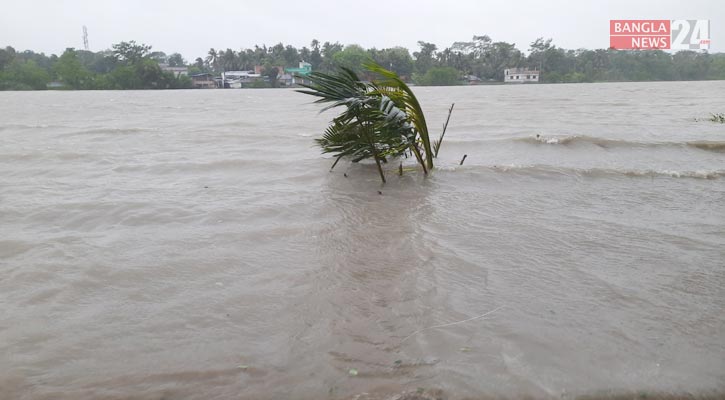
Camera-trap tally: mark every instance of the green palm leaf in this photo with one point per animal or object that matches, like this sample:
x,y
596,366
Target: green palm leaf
x,y
392,86
381,119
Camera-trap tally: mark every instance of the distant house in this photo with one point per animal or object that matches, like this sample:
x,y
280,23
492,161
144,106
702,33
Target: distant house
x,y
299,74
239,79
55,85
521,75
203,81
285,80
472,80
177,71
259,69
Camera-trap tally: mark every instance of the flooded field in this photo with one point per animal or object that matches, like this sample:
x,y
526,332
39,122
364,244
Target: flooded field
x,y
193,245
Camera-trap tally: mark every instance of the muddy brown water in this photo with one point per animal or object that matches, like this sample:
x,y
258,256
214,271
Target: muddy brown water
x,y
193,245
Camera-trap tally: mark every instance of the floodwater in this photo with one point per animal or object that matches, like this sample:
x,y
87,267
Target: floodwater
x,y
194,245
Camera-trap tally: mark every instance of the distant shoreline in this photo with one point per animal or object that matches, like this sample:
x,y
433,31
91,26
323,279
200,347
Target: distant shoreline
x,y
480,61
297,87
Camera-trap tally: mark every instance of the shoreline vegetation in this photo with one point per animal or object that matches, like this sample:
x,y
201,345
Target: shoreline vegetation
x,y
132,65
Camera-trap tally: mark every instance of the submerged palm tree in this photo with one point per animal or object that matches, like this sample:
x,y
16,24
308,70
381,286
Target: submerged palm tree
x,y
382,118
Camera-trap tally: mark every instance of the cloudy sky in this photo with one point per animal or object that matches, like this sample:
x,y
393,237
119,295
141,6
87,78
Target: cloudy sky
x,y
192,27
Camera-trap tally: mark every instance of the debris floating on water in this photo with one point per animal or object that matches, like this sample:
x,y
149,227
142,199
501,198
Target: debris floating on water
x,y
450,324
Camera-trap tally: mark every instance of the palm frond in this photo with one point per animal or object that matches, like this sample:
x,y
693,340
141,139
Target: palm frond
x,y
392,86
334,88
381,119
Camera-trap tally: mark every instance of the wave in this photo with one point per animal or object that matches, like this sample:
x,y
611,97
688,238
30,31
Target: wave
x,y
108,131
7,127
603,172
77,130
716,146
708,146
178,167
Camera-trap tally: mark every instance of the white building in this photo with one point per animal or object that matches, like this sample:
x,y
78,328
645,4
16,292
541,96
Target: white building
x,y
177,71
237,79
520,75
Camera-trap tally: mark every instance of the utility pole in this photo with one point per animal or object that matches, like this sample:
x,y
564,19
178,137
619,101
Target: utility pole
x,y
85,38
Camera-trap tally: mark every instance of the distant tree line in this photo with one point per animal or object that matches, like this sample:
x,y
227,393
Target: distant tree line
x,y
129,65
481,57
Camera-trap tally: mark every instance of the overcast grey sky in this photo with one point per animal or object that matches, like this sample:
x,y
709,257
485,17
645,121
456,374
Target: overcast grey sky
x,y
192,27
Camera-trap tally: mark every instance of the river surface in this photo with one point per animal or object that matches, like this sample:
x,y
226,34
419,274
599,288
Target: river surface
x,y
194,245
